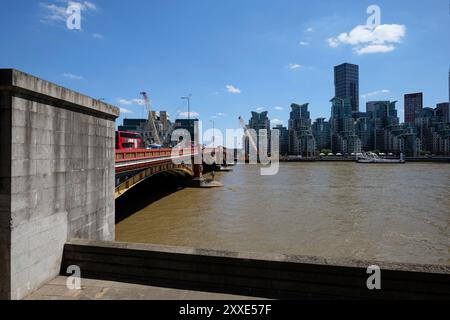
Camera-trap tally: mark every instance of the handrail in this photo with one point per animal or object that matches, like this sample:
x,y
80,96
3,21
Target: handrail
x,y
134,154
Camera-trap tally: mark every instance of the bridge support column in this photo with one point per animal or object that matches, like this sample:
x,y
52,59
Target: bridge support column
x,y
57,157
198,171
199,181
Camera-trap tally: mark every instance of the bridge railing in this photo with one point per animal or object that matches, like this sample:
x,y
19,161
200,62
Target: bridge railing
x,y
141,154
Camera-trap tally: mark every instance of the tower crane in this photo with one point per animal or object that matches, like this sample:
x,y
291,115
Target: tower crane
x,y
151,119
250,138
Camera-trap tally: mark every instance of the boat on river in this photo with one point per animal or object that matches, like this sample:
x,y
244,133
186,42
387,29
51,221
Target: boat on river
x,y
374,158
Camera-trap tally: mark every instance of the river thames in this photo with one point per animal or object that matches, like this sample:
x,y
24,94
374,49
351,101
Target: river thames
x,y
383,212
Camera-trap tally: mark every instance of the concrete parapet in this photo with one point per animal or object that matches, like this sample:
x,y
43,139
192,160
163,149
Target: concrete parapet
x,y
253,274
56,177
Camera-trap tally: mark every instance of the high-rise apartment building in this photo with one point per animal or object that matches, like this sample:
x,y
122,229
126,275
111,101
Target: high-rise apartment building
x,y
301,139
284,139
364,128
322,134
371,106
343,134
413,106
443,112
259,121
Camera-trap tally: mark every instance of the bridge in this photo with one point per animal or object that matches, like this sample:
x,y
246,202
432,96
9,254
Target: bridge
x,y
134,166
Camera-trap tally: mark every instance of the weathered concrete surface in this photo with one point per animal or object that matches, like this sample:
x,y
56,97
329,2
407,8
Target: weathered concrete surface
x,y
254,274
5,195
56,289
56,177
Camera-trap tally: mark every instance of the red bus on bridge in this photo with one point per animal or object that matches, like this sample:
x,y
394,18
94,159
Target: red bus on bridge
x,y
128,140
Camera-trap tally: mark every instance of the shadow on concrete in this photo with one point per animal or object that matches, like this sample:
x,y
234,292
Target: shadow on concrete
x,y
151,190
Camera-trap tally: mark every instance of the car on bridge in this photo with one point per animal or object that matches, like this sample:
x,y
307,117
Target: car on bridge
x,y
154,146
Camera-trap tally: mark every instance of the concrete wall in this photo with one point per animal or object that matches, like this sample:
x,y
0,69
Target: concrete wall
x,y
5,194
56,177
254,274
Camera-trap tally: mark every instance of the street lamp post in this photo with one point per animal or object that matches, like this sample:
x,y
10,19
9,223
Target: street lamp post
x,y
214,132
214,149
188,98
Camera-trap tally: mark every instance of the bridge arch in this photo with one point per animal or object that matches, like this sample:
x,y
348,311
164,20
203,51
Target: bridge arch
x,y
149,190
178,170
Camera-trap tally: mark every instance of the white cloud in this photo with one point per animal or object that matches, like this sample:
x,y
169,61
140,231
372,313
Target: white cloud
x,y
53,13
90,5
84,5
97,36
304,43
123,110
72,76
375,93
366,40
233,89
125,102
260,109
276,121
310,29
218,115
58,13
278,108
191,114
294,66
375,48
129,102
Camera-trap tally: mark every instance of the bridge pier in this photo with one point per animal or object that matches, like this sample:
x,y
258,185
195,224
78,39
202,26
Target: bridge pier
x,y
198,171
57,177
198,181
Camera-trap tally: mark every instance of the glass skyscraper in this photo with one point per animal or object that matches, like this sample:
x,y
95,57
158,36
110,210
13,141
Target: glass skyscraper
x,y
346,84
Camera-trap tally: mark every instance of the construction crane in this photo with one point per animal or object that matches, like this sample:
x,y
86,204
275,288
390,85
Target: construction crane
x,y
250,138
151,119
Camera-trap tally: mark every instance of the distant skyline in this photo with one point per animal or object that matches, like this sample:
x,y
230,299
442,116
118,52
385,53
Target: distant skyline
x,y
233,56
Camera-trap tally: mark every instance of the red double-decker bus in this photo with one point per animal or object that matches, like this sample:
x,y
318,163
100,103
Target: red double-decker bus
x,y
128,140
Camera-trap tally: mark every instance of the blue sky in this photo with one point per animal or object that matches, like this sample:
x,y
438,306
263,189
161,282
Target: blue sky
x,y
233,56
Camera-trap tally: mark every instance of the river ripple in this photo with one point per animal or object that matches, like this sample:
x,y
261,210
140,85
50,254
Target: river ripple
x,y
386,212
